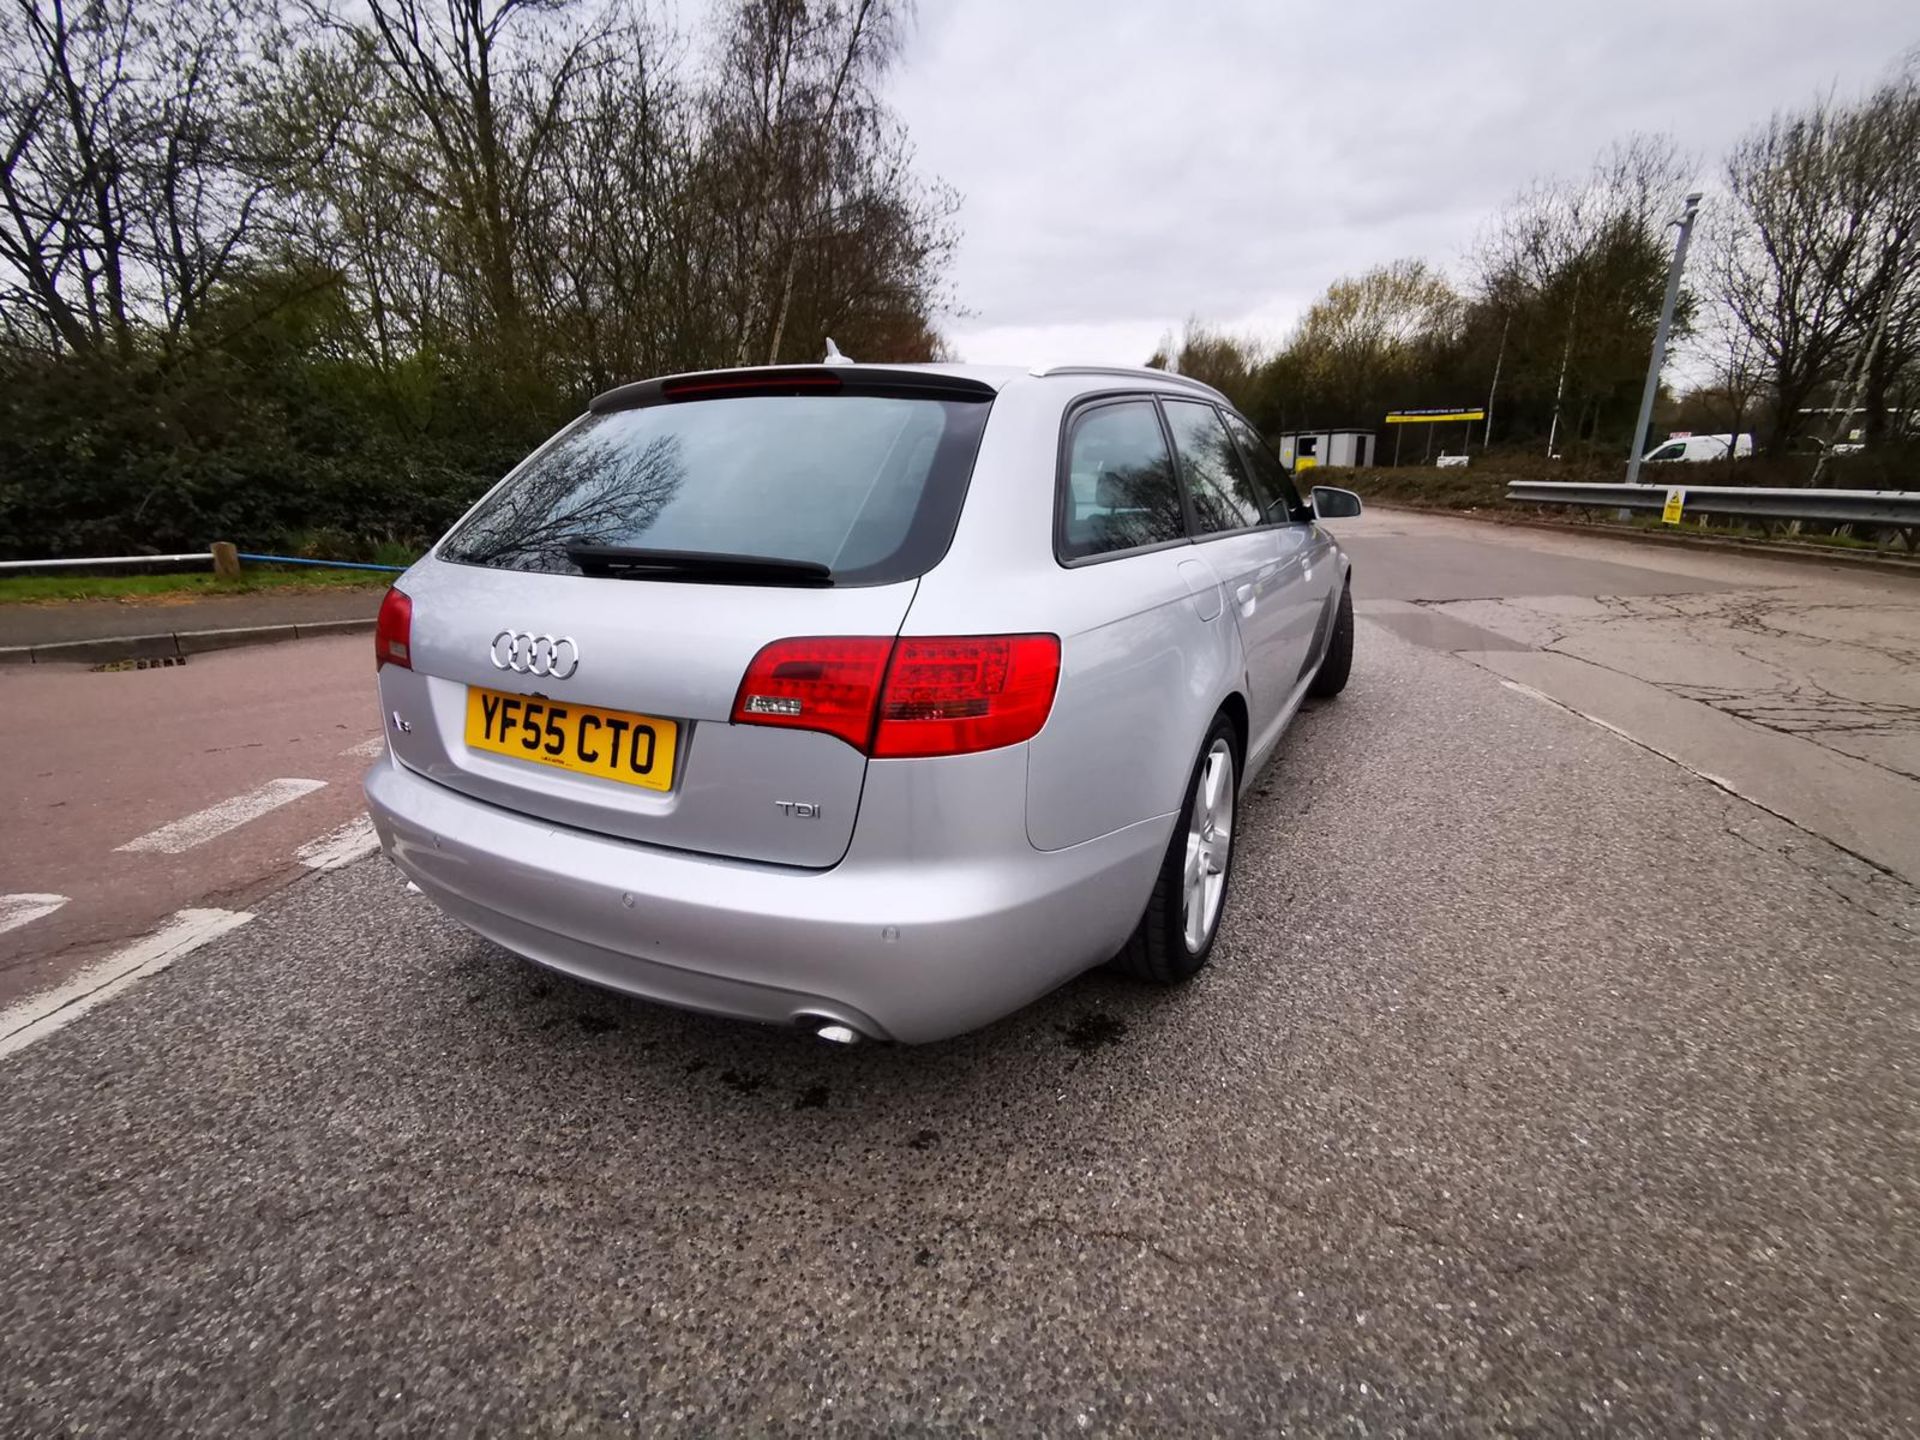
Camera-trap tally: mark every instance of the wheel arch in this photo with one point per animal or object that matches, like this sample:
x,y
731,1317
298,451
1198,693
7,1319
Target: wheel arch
x,y
1234,707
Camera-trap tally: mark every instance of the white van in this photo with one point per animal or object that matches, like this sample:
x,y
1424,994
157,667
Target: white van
x,y
1702,447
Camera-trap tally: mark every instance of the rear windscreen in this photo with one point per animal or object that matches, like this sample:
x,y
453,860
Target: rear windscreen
x,y
868,485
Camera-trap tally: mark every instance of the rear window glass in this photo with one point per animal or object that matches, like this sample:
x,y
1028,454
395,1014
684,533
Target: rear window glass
x,y
868,485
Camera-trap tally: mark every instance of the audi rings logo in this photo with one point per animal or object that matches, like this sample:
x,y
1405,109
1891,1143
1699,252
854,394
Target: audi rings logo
x,y
535,654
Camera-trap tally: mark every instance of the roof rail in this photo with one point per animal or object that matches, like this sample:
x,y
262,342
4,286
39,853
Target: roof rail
x,y
1132,372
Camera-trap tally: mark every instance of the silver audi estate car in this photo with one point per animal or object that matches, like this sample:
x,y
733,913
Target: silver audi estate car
x,y
878,700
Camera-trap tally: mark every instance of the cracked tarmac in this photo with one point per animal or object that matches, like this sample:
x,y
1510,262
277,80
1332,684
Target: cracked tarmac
x,y
1819,655
1842,669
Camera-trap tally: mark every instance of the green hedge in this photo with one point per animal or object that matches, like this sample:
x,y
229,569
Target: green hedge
x,y
118,461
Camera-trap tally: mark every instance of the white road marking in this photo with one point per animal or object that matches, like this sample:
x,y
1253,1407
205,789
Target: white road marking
x,y
368,749
18,910
37,1017
215,820
339,847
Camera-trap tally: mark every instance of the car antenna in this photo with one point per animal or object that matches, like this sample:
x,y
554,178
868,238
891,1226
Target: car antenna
x,y
834,357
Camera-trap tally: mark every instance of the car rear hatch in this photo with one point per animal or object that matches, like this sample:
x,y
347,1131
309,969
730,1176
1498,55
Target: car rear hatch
x,y
577,644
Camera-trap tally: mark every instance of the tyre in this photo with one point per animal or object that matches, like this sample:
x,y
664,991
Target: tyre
x,y
1331,678
1176,934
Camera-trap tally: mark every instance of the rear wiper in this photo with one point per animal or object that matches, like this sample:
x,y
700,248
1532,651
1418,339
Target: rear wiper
x,y
632,562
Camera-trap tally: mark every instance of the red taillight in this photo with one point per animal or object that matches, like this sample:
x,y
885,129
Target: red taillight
x,y
944,695
954,695
823,683
393,631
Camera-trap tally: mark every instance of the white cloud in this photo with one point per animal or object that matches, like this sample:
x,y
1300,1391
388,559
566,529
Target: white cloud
x,y
1126,165
1119,342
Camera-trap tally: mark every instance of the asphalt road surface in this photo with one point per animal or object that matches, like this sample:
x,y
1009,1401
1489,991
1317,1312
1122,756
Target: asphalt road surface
x,y
137,793
1541,1082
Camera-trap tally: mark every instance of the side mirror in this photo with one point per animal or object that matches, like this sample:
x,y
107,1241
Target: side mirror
x,y
1332,504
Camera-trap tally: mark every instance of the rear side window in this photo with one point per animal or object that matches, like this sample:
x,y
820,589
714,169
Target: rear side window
x,y
1268,473
1121,493
868,485
1224,494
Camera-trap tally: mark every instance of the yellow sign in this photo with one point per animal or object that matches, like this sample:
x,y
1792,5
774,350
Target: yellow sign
x,y
1676,500
1304,462
1432,417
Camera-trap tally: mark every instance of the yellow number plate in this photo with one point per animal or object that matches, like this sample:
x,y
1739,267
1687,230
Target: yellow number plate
x,y
613,744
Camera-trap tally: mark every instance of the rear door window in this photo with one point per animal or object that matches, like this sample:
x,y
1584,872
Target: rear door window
x,y
1268,473
868,485
1120,491
1225,496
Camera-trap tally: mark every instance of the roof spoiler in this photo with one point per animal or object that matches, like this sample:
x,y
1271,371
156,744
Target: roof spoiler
x,y
793,380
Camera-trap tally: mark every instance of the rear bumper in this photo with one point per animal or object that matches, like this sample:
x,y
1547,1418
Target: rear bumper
x,y
898,941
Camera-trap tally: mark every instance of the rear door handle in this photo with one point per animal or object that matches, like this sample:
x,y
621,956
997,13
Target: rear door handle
x,y
1244,595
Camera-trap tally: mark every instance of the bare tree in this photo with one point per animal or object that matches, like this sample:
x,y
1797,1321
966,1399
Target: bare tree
x,y
625,297
543,184
1739,372
457,110
1365,341
804,156
1887,368
1230,363
129,187
1822,236
1576,271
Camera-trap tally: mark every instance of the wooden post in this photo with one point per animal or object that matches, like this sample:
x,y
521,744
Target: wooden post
x,y
226,561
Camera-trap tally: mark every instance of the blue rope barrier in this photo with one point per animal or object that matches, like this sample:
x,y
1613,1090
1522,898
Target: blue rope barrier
x,y
325,564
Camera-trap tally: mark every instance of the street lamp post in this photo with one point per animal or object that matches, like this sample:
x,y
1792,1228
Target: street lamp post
x,y
1658,360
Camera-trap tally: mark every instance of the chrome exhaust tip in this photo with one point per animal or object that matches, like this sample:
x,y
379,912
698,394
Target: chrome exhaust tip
x,y
831,1029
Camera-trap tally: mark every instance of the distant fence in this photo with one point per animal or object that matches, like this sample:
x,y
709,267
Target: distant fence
x,y
1894,510
223,558
326,564
203,556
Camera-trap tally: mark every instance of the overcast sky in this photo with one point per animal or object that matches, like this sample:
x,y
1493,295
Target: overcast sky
x,y
1124,165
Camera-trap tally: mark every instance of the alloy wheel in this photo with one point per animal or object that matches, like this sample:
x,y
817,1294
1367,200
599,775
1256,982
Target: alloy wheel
x,y
1209,847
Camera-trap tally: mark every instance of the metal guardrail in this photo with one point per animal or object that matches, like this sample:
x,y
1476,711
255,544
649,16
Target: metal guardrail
x,y
202,556
325,564
197,557
1897,508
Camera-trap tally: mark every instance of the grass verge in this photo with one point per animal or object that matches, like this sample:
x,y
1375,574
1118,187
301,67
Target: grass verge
x,y
173,589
